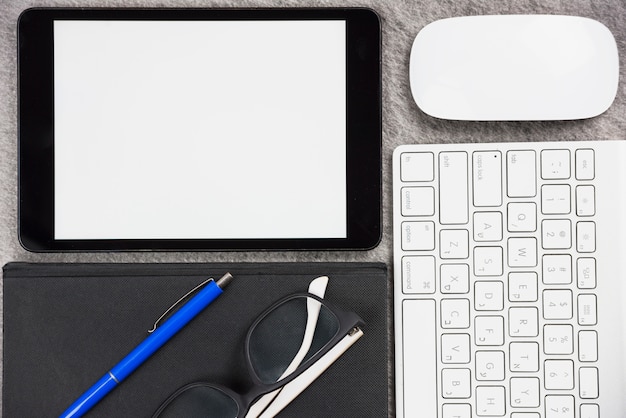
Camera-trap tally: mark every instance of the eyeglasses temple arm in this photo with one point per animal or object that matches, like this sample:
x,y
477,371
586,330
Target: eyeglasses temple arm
x,y
317,287
292,389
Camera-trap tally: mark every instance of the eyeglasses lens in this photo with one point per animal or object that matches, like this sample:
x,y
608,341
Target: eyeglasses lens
x,y
201,402
280,342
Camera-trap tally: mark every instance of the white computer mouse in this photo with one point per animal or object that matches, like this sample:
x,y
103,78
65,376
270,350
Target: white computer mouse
x,y
514,67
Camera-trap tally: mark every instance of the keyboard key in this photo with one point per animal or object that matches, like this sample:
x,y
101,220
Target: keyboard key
x,y
585,164
588,381
587,346
455,313
488,296
559,406
525,415
522,217
557,268
489,330
456,410
455,348
586,237
587,309
524,357
453,184
455,383
558,374
524,392
418,201
490,401
489,365
454,243
418,274
419,339
523,322
521,174
558,339
589,411
419,235
555,164
454,278
488,261
417,166
586,273
556,234
522,252
487,226
555,199
585,200
557,304
487,178
523,286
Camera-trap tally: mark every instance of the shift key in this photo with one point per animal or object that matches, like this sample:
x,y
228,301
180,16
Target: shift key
x,y
453,194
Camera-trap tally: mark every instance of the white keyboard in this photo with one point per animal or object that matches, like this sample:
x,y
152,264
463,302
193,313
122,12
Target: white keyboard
x,y
509,280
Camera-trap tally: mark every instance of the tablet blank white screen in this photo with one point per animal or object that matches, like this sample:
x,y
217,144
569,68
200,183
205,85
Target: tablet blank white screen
x,y
199,130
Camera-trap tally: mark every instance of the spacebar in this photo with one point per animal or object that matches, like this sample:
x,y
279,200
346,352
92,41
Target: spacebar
x,y
419,358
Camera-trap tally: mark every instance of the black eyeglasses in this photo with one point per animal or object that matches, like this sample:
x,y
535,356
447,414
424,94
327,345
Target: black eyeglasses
x,y
287,348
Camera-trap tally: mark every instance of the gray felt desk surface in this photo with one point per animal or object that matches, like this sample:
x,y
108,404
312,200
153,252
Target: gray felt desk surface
x,y
403,122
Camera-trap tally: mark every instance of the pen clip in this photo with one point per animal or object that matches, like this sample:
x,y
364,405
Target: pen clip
x,y
178,302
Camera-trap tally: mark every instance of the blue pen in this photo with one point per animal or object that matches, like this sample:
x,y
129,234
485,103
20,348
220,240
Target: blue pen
x,y
159,336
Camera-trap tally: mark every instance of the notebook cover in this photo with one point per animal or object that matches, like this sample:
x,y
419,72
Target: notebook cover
x,y
66,325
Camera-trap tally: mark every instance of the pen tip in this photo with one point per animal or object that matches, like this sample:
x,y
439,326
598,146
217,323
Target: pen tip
x,y
224,280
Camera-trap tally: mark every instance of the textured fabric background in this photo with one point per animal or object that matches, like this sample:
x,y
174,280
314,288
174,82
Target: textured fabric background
x,y
403,122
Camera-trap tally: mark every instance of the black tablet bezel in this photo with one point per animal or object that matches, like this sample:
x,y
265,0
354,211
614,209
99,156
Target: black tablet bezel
x,y
36,129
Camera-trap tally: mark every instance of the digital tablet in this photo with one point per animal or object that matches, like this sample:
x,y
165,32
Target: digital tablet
x,y
199,129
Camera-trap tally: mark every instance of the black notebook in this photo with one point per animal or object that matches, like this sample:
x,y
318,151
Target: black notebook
x,y
66,325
